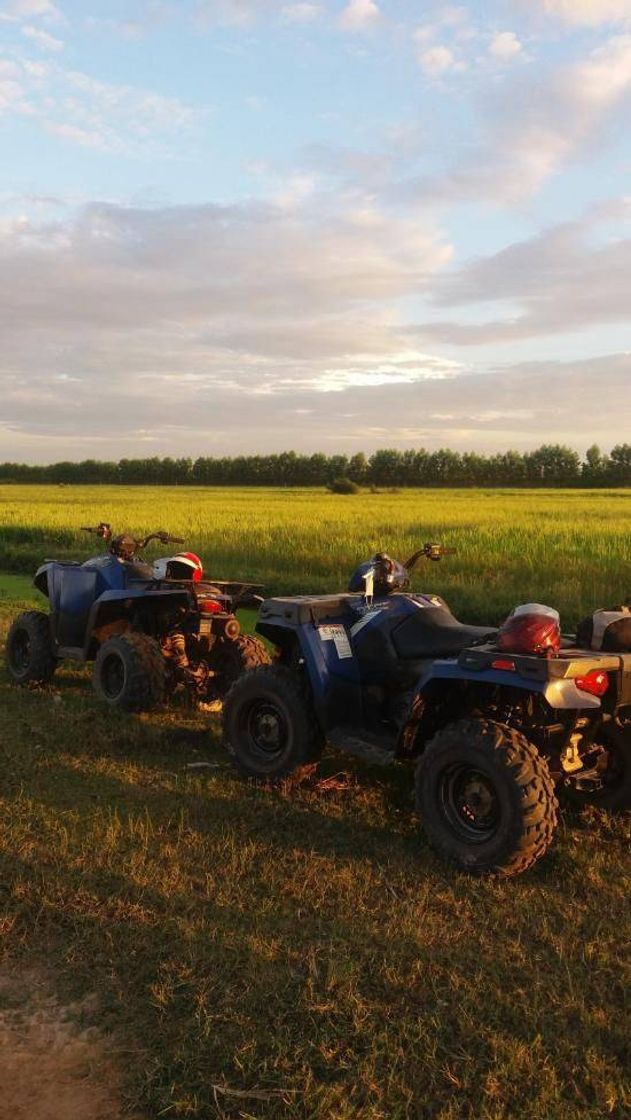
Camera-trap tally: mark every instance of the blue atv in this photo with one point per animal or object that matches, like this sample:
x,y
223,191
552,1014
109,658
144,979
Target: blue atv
x,y
388,675
151,631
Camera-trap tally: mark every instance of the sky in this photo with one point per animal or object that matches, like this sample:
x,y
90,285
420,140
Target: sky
x,y
241,226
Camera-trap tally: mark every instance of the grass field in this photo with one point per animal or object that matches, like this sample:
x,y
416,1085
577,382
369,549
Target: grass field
x,y
569,548
298,953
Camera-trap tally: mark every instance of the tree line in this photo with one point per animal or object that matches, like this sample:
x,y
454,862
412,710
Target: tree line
x,y
549,465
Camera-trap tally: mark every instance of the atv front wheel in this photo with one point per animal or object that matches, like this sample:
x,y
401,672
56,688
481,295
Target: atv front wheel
x,y
130,672
29,649
232,657
605,780
486,798
269,726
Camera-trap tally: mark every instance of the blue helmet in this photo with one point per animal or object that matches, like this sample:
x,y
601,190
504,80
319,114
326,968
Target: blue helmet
x,y
389,575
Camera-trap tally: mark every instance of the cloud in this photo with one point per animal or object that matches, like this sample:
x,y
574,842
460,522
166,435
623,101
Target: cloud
x,y
237,13
437,60
42,38
256,312
359,15
301,13
118,307
212,261
32,9
568,278
91,113
452,42
11,89
591,13
85,137
533,129
567,402
133,408
371,371
505,45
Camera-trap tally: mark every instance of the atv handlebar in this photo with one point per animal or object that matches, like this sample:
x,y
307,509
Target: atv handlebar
x,y
126,546
164,538
430,552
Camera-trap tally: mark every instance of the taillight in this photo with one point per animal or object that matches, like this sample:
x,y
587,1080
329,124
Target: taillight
x,y
503,663
596,682
209,606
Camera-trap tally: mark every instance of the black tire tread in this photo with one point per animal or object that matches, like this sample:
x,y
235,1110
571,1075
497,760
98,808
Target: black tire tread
x,y
146,671
255,652
294,693
237,656
44,662
529,771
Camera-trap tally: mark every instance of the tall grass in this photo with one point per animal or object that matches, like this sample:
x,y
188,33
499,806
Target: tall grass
x,y
566,547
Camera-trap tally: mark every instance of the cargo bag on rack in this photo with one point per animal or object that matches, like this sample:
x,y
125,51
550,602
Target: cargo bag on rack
x,y
606,630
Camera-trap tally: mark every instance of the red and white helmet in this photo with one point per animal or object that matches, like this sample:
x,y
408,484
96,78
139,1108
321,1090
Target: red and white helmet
x,y
186,565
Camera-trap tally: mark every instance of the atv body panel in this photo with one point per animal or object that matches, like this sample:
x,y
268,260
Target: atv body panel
x,y
373,666
357,654
553,679
87,598
83,597
495,734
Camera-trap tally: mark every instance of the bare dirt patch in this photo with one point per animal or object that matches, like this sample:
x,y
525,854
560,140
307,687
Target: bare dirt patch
x,y
53,1066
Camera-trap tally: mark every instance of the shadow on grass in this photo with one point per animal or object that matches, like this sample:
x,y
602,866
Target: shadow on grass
x,y
302,944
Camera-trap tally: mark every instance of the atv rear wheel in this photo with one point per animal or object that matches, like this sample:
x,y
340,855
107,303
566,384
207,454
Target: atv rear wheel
x,y
605,781
232,657
486,798
269,726
130,672
29,649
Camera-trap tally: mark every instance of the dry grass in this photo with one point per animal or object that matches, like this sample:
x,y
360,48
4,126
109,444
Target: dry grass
x,y
299,954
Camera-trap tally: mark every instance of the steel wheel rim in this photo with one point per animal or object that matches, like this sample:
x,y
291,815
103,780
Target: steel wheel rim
x,y
470,803
266,729
112,676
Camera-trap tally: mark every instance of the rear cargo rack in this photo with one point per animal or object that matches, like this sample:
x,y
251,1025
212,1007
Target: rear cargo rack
x,y
567,662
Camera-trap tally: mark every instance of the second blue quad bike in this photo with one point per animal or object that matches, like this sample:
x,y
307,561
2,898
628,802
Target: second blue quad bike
x,y
151,630
498,721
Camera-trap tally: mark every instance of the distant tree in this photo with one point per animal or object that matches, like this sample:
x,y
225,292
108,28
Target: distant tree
x,y
619,467
553,463
358,467
595,465
549,465
384,467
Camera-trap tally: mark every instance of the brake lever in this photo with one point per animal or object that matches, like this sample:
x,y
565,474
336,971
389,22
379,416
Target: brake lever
x,y
104,530
432,552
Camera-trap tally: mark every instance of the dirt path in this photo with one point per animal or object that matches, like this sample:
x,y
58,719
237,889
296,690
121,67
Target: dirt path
x,y
52,1067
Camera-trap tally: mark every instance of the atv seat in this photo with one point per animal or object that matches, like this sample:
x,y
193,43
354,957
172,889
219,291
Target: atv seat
x,y
434,632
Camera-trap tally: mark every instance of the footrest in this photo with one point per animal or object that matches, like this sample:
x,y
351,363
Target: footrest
x,y
376,750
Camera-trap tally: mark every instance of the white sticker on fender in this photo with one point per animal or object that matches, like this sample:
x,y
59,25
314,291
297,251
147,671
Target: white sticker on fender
x,y
336,634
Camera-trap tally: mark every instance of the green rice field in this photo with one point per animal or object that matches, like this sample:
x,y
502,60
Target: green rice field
x,y
568,548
